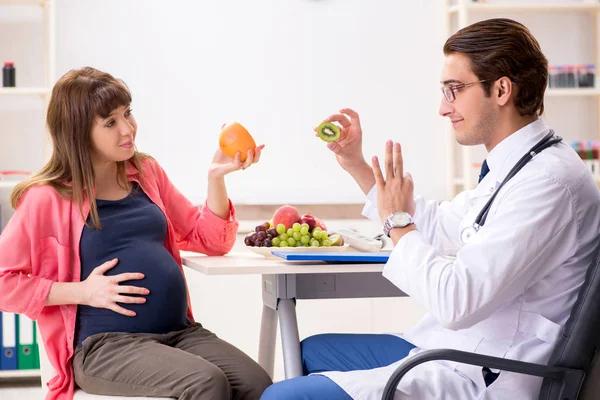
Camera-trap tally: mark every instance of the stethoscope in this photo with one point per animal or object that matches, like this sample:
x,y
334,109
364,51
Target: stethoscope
x,y
547,141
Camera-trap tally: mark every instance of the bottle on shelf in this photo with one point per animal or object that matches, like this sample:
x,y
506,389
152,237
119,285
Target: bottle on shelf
x,y
560,77
571,81
552,76
588,151
9,74
570,76
590,75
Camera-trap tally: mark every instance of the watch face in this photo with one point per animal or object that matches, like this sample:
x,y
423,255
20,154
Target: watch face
x,y
400,218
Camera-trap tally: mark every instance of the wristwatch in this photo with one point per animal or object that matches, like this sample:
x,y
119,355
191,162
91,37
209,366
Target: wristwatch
x,y
398,219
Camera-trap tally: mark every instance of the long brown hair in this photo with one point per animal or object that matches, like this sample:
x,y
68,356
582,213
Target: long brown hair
x,y
502,47
78,98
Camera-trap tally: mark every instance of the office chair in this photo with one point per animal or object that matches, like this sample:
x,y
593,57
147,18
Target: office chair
x,y
573,371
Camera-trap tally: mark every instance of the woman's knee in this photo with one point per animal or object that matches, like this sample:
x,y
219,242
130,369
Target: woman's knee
x,y
254,383
209,382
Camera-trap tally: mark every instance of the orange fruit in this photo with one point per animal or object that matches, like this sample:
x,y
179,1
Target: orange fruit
x,y
235,138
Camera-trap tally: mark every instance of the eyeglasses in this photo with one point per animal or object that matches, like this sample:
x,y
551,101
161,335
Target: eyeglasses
x,y
450,91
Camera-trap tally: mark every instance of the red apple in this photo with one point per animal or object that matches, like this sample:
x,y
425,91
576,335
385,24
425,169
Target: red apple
x,y
320,224
286,215
310,220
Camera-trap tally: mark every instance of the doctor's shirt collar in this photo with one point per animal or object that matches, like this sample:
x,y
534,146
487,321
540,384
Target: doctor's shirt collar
x,y
506,153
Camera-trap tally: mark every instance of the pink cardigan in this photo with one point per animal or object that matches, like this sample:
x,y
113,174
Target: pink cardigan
x,y
40,245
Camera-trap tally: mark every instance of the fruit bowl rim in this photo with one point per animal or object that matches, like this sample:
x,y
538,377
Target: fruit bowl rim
x,y
267,251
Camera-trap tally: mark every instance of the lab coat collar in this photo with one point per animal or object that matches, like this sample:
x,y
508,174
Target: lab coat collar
x,y
506,153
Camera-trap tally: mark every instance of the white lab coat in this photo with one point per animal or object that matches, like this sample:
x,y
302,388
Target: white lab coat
x,y
510,289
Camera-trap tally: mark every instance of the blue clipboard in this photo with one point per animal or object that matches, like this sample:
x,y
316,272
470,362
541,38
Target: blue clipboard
x,y
336,257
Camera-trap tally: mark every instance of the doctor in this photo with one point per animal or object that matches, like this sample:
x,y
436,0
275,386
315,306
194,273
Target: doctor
x,y
517,271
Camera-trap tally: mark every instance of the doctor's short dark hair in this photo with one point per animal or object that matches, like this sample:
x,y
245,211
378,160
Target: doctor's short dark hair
x,y
502,47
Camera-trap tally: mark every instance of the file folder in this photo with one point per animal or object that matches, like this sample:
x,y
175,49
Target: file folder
x,y
36,349
1,344
25,348
9,341
339,257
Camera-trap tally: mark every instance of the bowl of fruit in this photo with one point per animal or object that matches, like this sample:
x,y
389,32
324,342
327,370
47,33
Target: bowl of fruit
x,y
289,231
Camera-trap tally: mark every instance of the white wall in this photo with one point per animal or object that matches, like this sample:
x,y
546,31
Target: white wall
x,y
278,67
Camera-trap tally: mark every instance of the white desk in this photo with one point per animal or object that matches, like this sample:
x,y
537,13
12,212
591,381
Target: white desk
x,y
284,282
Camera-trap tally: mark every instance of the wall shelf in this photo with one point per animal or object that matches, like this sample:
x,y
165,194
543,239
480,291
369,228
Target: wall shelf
x,y
557,92
48,38
527,7
25,2
48,65
22,91
19,374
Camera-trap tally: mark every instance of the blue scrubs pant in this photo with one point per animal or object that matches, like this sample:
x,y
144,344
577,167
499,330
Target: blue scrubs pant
x,y
337,352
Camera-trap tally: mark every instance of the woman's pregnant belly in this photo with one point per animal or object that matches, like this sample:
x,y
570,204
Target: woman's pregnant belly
x,y
165,309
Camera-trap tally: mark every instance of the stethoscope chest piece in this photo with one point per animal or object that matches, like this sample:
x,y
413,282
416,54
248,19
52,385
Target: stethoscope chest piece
x,y
467,234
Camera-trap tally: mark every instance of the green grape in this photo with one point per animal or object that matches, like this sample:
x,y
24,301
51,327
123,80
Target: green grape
x,y
305,239
314,243
283,237
291,242
275,241
283,243
326,242
324,235
304,230
297,236
280,228
305,225
290,232
317,232
296,227
299,244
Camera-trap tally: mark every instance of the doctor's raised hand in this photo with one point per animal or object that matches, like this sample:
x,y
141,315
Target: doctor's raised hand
x,y
348,147
395,190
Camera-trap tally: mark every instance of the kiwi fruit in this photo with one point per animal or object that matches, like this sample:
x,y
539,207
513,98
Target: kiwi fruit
x,y
328,131
336,240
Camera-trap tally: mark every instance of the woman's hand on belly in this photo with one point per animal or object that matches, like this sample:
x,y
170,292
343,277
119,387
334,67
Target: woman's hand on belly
x,y
103,291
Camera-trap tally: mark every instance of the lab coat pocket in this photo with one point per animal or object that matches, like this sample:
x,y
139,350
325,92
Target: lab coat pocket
x,y
447,339
52,259
540,326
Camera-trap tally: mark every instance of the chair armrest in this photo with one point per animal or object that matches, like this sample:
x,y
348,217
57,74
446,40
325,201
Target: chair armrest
x,y
571,378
